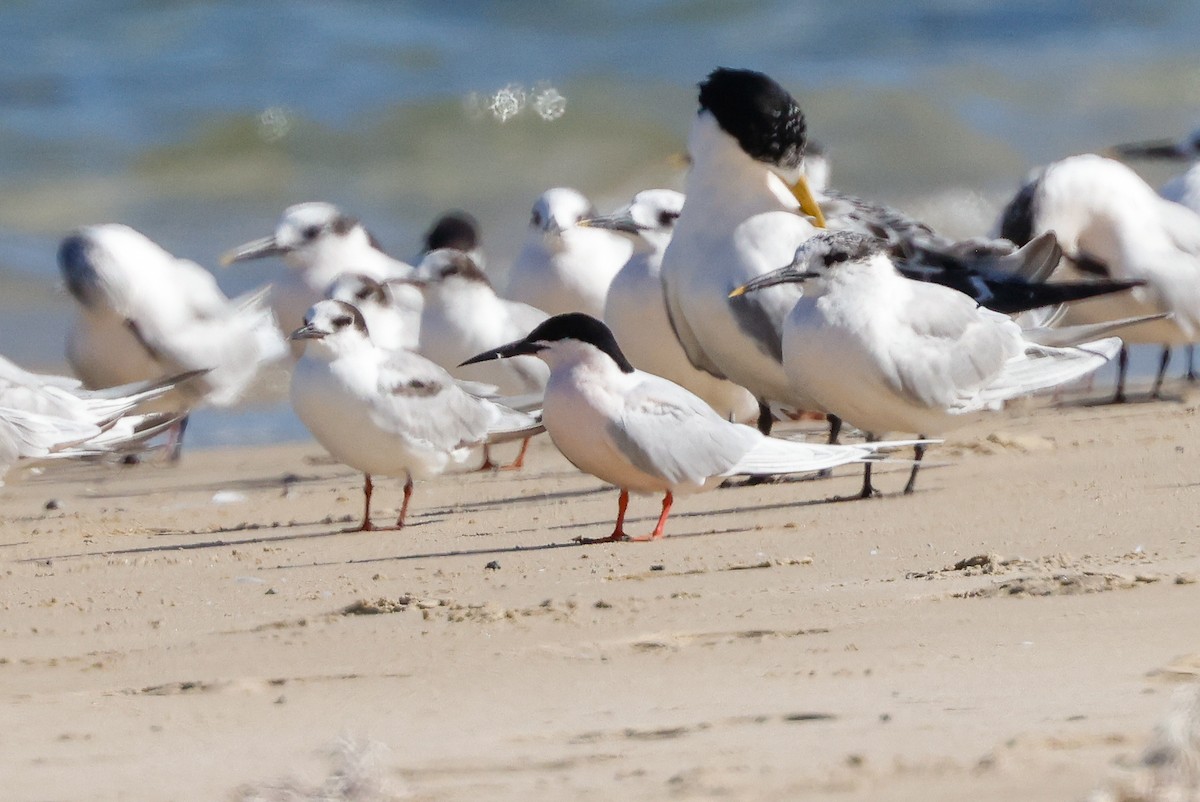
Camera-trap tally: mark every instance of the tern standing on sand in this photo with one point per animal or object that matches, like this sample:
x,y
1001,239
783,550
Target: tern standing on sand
x,y
889,354
390,413
645,434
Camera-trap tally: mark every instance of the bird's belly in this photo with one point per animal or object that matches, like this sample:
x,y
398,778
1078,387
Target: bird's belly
x,y
341,423
846,377
578,426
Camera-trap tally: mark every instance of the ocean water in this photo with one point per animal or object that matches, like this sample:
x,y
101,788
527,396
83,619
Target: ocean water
x,y
198,122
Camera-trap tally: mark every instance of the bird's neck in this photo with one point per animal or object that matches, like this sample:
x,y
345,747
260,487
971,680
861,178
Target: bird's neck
x,y
724,175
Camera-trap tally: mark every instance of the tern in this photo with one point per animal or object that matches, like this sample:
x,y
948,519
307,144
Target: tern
x,y
887,353
1111,223
318,242
749,207
643,433
143,314
392,308
390,413
636,312
563,266
1183,188
463,315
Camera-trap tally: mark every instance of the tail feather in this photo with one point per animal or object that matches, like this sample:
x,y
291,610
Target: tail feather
x,y
774,456
1066,336
1042,367
511,424
112,402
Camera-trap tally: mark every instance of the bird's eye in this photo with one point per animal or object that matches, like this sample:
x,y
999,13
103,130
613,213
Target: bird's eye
x,y
341,321
536,220
311,233
667,219
363,294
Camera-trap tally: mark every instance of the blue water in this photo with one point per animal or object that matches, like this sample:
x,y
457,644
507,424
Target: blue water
x,y
198,122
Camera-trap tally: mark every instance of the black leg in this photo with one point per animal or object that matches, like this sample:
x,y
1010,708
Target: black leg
x,y
919,451
1191,364
868,491
1122,368
1156,393
835,428
176,444
765,419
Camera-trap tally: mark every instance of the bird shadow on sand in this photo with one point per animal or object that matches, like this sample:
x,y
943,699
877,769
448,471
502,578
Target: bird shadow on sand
x,y
222,542
281,483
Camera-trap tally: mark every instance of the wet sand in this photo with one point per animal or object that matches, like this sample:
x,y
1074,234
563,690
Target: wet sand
x,y
1014,630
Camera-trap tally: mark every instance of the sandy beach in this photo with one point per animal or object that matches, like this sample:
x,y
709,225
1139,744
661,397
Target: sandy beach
x,y
1014,630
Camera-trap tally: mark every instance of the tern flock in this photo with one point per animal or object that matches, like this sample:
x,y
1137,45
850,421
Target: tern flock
x,y
642,341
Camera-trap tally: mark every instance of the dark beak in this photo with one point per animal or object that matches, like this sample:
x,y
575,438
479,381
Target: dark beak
x,y
784,275
258,249
622,223
518,348
1154,149
306,332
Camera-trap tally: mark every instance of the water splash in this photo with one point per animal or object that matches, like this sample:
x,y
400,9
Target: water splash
x,y
274,123
548,102
508,102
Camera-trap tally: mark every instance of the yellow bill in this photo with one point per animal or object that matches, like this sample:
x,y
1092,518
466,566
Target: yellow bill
x,y
808,204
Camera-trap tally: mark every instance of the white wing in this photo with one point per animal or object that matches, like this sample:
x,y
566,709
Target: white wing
x,y
666,431
950,348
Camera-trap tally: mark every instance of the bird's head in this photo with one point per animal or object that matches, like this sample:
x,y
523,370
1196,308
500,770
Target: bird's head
x,y
766,124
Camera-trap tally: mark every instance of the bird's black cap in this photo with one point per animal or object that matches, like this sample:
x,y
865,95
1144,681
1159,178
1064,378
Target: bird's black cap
x,y
571,326
456,229
758,113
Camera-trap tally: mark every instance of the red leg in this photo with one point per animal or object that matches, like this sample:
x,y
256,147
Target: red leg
x,y
619,530
519,462
408,490
366,525
662,520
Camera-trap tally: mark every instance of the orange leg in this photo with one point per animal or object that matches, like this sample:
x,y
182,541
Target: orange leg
x,y
619,530
366,525
662,520
519,462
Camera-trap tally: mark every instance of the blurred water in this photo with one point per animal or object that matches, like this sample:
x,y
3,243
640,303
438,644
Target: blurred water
x,y
197,122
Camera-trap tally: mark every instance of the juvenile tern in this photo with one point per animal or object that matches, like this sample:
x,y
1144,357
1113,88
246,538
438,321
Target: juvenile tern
x,y
1111,223
318,242
392,308
562,266
463,315
643,433
636,312
889,354
143,314
389,412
